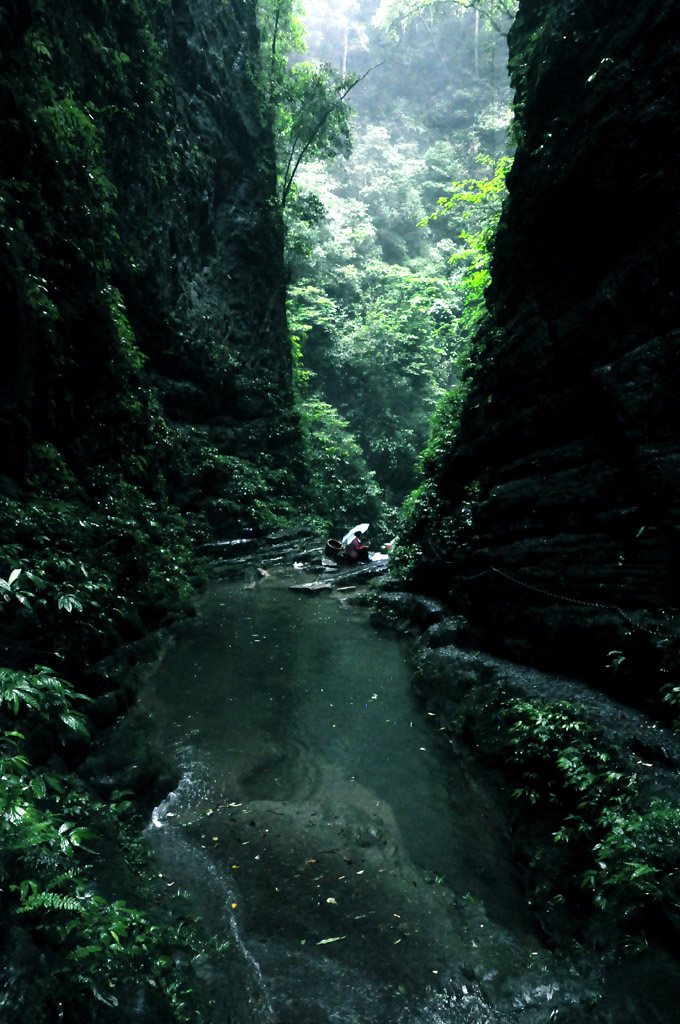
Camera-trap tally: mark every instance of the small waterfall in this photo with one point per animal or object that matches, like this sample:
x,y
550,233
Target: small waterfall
x,y
213,893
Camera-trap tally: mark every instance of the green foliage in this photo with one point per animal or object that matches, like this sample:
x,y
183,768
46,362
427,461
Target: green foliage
x,y
343,490
252,493
671,696
383,353
282,33
306,98
382,317
443,429
313,119
428,531
113,564
618,849
388,181
44,694
477,203
84,941
428,528
394,15
394,365
64,903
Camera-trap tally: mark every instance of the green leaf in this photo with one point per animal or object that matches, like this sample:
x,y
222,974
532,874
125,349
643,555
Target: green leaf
x,y
75,722
77,835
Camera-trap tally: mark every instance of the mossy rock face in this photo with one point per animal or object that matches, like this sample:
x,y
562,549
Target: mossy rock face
x,y
557,503
139,212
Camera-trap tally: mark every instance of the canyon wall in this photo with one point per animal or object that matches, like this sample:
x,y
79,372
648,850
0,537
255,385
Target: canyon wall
x,y
551,518
141,265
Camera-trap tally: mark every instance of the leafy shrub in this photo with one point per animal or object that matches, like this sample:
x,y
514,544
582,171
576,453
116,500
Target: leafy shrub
x,y
84,941
96,561
619,848
343,489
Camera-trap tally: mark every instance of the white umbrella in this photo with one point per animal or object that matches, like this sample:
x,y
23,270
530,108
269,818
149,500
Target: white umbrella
x,y
349,537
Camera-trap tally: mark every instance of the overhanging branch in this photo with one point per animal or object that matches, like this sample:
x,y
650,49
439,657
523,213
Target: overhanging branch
x,y
289,173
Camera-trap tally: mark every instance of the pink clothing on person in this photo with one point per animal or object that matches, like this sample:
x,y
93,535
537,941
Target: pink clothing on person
x,y
354,550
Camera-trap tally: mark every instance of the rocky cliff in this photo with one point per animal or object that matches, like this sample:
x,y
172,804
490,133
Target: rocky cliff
x,y
141,282
145,397
552,517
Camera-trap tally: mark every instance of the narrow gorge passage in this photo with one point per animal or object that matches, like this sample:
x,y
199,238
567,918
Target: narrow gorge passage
x,y
323,828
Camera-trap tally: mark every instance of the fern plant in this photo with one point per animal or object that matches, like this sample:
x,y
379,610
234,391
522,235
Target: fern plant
x,y
621,847
51,844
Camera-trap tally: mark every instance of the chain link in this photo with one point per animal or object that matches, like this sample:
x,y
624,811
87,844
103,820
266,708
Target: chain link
x,y
563,597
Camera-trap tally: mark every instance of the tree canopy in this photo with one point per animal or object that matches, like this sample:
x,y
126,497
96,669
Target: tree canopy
x,y
387,268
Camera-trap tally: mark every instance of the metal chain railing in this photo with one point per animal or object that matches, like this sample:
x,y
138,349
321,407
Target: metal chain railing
x,y
563,597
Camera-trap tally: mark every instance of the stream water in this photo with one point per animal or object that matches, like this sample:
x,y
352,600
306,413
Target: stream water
x,y
357,871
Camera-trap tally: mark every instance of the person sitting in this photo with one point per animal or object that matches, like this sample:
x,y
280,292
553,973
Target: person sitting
x,y
356,551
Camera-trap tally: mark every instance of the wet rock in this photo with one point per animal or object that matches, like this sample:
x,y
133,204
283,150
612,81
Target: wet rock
x,y
127,757
310,555
472,694
361,573
311,588
560,493
291,535
462,685
406,612
106,708
269,550
224,549
453,631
